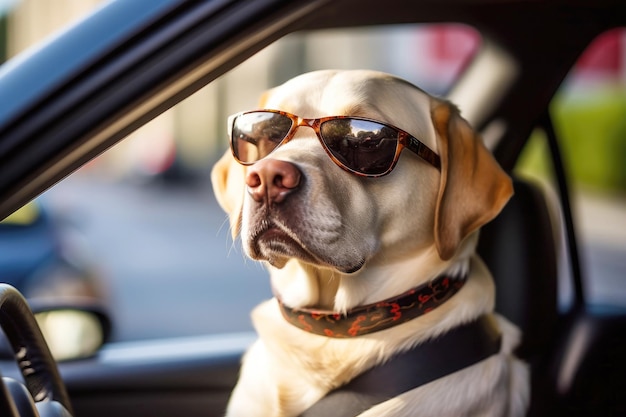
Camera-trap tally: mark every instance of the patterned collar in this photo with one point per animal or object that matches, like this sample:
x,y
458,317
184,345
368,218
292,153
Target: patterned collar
x,y
377,316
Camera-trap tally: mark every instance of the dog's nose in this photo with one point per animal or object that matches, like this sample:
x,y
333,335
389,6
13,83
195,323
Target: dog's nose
x,y
272,180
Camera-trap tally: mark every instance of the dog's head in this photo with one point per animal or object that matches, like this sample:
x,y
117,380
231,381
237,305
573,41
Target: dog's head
x,y
298,204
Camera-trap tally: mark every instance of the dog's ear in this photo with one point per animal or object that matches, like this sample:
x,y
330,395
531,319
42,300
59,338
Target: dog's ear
x,y
473,187
228,182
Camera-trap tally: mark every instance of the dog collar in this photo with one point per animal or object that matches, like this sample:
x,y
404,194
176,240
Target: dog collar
x,y
377,316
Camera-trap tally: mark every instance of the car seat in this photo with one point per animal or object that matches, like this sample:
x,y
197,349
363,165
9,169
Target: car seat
x,y
576,354
519,248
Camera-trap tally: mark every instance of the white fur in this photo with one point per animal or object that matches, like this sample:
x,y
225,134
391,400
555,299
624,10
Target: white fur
x,y
388,225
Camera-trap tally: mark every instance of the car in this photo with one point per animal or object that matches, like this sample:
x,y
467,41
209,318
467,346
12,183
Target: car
x,y
84,90
44,256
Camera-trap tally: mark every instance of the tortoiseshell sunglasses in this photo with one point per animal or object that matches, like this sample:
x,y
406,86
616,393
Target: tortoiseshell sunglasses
x,y
362,146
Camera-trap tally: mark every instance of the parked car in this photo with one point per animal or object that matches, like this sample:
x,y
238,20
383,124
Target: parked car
x,y
44,256
86,89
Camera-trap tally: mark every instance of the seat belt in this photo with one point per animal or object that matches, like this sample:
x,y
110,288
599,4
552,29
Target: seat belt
x,y
457,349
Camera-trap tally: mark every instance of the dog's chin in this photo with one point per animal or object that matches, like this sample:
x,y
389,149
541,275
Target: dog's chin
x,y
277,247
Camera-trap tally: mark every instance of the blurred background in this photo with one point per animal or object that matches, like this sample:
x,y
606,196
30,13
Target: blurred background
x,y
139,228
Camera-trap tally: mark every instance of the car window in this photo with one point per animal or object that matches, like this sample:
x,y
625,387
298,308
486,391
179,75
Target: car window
x,y
146,214
588,115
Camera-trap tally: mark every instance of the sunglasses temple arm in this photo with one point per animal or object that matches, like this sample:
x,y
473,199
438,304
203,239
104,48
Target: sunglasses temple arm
x,y
423,152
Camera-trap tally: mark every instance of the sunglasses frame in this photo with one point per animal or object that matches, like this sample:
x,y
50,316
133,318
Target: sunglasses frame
x,y
405,140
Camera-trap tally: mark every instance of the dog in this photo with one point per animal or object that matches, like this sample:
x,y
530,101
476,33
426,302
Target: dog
x,y
337,233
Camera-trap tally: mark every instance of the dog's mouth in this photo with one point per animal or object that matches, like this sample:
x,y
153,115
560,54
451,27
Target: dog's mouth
x,y
275,242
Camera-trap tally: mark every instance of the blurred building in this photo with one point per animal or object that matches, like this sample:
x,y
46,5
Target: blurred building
x,y
32,20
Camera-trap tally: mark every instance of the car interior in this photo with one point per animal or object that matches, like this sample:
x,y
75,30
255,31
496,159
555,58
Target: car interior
x,y
575,349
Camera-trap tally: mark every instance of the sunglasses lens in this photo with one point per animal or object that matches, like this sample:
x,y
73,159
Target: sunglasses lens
x,y
255,135
361,145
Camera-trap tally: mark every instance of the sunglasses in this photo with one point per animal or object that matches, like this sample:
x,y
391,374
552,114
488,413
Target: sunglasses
x,y
361,146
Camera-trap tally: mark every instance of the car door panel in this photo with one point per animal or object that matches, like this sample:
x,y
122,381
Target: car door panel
x,y
181,376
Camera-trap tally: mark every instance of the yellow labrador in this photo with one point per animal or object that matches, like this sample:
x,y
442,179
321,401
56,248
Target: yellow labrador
x,y
356,212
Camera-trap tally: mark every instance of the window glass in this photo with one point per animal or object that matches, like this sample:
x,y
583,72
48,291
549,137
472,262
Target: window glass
x,y
143,215
589,117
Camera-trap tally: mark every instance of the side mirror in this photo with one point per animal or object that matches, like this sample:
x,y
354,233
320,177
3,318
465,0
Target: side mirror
x,y
72,330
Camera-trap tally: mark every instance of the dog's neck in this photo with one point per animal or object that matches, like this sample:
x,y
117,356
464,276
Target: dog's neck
x,y
302,285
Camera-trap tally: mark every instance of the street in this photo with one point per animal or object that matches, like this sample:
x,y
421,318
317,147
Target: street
x,y
167,257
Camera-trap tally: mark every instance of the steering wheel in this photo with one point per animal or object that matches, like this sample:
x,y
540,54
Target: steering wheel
x,y
43,393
